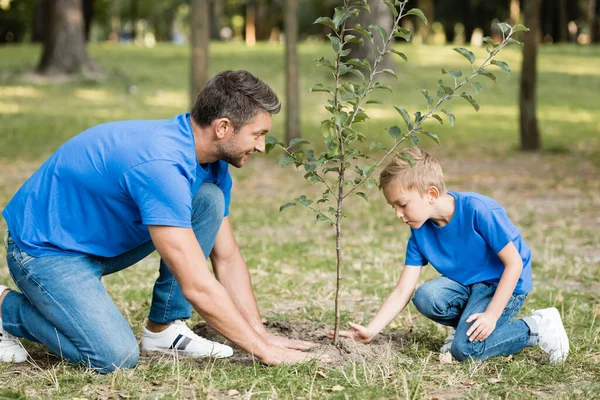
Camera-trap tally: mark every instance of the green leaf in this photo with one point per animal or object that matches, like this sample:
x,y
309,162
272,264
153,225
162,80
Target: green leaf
x,y
418,13
325,21
414,140
427,96
365,32
432,136
440,120
358,73
503,66
451,117
354,39
297,141
511,40
270,143
364,196
465,53
303,201
331,169
487,74
477,86
335,43
395,132
404,114
285,161
504,27
379,30
321,217
390,72
320,88
344,69
327,129
286,205
408,158
376,145
400,54
489,41
403,33
379,85
339,16
470,99
361,63
520,28
389,5
374,101
368,170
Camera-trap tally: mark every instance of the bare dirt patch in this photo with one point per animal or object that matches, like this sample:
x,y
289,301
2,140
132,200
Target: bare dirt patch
x,y
385,346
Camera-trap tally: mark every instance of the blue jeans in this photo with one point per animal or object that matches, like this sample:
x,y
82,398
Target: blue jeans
x,y
449,303
64,305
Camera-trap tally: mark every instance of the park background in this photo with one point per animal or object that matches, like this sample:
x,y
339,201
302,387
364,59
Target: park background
x,y
132,59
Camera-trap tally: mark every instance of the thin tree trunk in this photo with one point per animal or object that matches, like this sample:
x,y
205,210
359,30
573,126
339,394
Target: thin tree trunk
x,y
515,11
423,30
133,15
592,20
291,68
200,37
250,25
530,135
64,50
88,16
563,19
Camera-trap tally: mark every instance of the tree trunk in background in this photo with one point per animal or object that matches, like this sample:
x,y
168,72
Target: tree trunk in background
x,y
217,11
88,16
515,11
379,15
292,93
563,18
40,21
133,15
428,9
200,37
530,135
250,24
64,44
593,20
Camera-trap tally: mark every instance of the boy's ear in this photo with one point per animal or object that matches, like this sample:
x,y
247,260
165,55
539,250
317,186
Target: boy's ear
x,y
433,194
222,127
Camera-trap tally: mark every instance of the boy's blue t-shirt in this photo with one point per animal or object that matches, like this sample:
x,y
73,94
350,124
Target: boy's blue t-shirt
x,y
98,192
466,250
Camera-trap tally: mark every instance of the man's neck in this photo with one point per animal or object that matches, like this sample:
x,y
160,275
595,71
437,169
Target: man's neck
x,y
204,144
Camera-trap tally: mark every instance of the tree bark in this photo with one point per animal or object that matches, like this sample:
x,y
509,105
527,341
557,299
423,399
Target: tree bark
x,y
250,24
379,15
515,11
530,135
291,69
200,38
593,20
88,16
64,50
423,30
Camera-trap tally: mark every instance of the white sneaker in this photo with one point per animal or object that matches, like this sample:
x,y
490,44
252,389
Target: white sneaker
x,y
448,341
552,336
11,349
179,338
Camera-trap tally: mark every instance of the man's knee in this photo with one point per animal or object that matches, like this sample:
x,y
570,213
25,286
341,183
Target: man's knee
x,y
118,354
208,203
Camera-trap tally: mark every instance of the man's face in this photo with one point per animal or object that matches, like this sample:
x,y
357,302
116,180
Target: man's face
x,y
410,206
248,139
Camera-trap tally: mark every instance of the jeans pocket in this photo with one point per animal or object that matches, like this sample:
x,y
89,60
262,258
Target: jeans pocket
x,y
20,256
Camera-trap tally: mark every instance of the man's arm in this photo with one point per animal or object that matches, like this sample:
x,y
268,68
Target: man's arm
x,y
181,252
231,270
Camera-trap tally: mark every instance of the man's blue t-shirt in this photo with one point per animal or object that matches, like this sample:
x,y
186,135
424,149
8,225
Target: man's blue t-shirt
x,y
466,250
98,192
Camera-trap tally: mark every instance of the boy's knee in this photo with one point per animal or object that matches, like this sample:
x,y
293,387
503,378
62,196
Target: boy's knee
x,y
463,350
427,300
208,203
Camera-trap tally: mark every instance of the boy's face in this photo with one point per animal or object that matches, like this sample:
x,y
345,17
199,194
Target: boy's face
x,y
412,207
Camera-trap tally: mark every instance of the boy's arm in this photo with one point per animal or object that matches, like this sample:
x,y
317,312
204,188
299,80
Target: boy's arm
x,y
485,322
390,308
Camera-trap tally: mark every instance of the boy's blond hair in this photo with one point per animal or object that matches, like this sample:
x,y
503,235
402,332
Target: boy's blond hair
x,y
425,172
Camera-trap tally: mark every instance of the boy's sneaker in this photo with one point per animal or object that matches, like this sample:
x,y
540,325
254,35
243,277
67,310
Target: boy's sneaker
x,y
552,336
448,341
11,349
179,338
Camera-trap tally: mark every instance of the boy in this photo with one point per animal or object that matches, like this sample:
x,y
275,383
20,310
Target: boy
x,y
484,262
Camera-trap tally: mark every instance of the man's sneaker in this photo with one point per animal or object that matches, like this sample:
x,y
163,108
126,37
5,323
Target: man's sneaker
x,y
179,338
552,336
448,341
11,349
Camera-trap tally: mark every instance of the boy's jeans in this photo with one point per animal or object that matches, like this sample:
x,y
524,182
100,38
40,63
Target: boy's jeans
x,y
65,306
449,303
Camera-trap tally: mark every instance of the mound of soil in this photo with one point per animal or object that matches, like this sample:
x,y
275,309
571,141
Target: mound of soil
x,y
384,347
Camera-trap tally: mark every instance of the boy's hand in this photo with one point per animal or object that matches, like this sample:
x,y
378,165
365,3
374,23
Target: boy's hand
x,y
484,325
359,333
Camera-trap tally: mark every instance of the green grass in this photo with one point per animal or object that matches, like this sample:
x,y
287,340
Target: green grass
x,y
553,197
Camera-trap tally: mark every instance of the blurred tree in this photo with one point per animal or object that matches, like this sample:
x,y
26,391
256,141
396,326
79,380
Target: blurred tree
x,y
200,37
292,81
427,6
530,134
379,15
592,14
64,49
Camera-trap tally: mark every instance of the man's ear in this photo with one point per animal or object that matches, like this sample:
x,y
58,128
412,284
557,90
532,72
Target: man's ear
x,y
433,194
222,127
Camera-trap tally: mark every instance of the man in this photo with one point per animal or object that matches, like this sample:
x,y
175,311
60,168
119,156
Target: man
x,y
109,197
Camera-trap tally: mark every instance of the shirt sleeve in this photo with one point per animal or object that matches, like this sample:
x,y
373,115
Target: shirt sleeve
x,y
162,193
413,254
494,226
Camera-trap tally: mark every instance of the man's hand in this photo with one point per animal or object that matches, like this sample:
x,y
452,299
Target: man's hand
x,y
484,325
286,343
359,333
278,355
